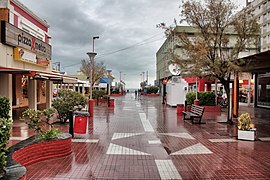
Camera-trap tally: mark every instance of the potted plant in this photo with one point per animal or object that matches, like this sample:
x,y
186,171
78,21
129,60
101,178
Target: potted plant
x,y
245,131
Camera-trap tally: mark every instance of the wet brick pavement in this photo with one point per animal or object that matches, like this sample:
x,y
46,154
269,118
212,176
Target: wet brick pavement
x,y
143,139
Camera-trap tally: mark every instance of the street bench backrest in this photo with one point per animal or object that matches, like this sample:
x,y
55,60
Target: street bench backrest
x,y
197,109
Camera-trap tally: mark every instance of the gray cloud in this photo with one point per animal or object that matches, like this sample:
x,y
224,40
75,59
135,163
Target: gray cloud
x,y
119,23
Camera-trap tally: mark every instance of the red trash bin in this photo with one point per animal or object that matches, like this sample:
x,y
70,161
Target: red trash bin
x,y
180,109
111,102
80,122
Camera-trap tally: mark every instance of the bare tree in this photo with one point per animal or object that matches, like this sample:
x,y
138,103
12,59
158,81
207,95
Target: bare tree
x,y
99,70
220,35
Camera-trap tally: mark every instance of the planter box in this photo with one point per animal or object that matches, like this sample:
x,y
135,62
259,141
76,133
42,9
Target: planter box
x,y
152,95
115,95
247,135
212,108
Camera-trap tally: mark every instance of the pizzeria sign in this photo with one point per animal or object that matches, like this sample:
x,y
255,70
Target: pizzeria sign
x,y
16,37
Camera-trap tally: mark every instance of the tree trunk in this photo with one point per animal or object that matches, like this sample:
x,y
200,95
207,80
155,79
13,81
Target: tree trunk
x,y
226,85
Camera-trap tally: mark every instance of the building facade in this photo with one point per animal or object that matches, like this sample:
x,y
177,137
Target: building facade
x,y
25,58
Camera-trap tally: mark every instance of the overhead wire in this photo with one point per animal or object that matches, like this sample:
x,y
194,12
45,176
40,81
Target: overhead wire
x,y
144,42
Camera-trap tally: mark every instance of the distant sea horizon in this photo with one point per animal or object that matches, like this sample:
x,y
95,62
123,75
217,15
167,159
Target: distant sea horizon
x,y
132,89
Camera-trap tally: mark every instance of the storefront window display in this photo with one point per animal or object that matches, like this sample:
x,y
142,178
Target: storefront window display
x,y
264,90
25,86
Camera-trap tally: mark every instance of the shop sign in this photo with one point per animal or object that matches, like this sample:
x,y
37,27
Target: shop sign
x,y
43,62
3,3
22,55
16,37
29,57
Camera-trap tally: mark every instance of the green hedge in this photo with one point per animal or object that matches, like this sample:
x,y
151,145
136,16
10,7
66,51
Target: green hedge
x,y
97,94
152,90
206,98
66,101
5,127
5,107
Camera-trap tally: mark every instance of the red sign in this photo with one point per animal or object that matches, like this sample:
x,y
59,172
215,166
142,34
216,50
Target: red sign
x,y
43,62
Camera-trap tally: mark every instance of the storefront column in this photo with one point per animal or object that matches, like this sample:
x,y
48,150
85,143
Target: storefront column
x,y
48,94
32,94
74,87
83,90
6,88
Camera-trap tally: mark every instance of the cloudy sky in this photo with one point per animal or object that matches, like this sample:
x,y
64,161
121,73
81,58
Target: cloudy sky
x,y
127,29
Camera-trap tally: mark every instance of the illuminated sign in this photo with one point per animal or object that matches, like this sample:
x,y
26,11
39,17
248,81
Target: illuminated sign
x,y
29,57
15,37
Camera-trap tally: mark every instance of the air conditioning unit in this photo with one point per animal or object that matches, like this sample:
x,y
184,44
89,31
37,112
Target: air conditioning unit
x,y
176,79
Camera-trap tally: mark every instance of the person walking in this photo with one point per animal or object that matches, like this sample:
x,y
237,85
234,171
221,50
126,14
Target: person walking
x,y
136,94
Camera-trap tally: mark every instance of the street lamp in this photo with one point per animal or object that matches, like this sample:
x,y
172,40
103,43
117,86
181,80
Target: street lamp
x,y
93,61
109,71
91,57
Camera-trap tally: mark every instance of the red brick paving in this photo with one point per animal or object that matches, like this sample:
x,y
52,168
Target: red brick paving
x,y
234,160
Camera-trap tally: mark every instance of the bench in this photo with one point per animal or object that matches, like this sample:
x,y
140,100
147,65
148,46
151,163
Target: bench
x,y
195,113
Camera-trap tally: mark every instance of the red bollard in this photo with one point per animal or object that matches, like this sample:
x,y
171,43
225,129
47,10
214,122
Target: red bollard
x,y
91,103
112,103
196,102
180,109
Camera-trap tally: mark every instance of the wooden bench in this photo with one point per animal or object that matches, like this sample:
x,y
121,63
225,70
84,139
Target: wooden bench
x,y
195,113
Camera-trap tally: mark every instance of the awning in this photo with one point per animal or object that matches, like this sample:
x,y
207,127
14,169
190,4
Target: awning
x,y
48,76
69,80
257,63
14,71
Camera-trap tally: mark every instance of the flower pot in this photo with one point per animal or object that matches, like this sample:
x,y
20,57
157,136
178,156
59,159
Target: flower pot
x,y
247,135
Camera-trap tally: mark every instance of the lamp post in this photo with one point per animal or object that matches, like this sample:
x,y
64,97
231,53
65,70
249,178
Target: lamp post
x,y
93,61
109,81
91,57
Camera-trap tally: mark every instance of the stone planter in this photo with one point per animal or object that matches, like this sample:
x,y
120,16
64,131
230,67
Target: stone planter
x,y
212,108
31,150
247,135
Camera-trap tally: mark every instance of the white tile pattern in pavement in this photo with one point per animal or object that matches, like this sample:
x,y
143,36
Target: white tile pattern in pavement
x,y
264,138
85,140
222,140
146,124
124,135
167,170
154,142
180,135
194,149
120,150
17,138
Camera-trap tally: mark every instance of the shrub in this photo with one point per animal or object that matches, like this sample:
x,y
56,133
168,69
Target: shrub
x,y
66,101
38,120
152,90
5,107
97,94
206,98
116,91
244,122
5,127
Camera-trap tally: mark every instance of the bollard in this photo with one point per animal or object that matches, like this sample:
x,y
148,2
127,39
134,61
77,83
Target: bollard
x,y
108,101
180,109
196,102
70,117
91,103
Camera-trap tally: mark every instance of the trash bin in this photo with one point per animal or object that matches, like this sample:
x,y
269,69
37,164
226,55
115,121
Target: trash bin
x,y
111,102
80,122
180,109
